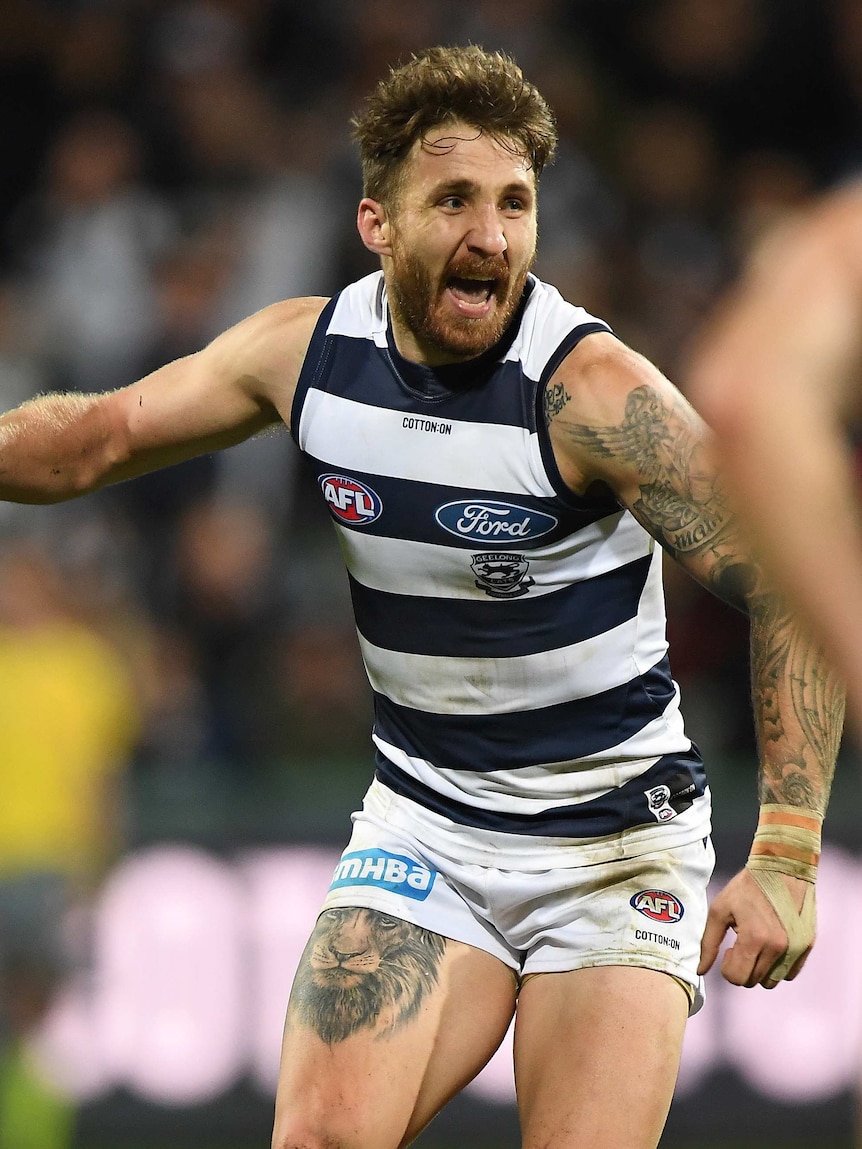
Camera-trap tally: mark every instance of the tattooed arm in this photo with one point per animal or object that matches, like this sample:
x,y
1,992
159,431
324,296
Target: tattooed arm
x,y
615,420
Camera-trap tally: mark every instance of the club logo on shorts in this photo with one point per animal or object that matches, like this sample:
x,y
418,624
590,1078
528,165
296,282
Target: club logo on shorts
x,y
492,520
502,576
385,871
658,800
658,906
351,501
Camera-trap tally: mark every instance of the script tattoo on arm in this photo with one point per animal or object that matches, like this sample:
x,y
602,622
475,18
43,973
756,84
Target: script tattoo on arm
x,y
680,501
797,699
364,970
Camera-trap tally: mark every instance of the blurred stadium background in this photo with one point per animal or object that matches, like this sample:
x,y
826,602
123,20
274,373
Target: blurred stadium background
x,y
184,722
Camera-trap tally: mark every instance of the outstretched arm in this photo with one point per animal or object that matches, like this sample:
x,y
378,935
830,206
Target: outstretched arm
x,y
58,446
776,374
614,419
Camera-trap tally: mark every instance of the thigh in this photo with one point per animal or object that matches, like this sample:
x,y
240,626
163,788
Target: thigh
x,y
647,911
596,1057
386,1022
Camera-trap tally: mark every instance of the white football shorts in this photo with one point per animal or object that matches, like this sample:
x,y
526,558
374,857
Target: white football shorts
x,y
648,911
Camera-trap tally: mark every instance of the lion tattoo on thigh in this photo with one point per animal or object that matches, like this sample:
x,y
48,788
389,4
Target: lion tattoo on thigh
x,y
363,969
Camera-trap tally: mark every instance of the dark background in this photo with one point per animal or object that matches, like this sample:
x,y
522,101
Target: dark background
x,y
168,168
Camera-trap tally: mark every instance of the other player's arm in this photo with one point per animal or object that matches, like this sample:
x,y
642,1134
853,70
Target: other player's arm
x,y
777,375
58,446
615,420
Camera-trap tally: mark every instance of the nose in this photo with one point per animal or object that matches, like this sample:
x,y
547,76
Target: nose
x,y
486,234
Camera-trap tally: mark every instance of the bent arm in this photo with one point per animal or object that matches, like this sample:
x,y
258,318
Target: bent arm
x,y
58,446
623,424
615,420
777,376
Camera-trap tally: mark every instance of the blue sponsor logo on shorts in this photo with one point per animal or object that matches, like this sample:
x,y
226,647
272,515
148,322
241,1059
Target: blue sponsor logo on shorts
x,y
386,871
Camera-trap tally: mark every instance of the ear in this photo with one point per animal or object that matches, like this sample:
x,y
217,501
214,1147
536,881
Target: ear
x,y
372,220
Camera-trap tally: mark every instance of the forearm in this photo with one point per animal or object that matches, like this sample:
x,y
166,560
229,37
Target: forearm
x,y
798,708
55,447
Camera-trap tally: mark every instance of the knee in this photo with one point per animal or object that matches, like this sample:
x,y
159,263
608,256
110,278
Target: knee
x,y
295,1135
304,1141
310,1142
315,1123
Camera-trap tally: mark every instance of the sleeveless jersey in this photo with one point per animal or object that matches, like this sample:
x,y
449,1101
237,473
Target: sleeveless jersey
x,y
513,632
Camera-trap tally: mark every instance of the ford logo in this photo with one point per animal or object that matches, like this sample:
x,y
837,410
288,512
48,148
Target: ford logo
x,y
491,521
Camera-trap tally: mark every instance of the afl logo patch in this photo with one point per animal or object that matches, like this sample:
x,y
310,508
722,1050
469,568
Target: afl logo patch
x,y
658,906
493,521
351,501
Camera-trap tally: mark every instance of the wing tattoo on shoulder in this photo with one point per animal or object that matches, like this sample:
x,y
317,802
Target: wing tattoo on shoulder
x,y
680,501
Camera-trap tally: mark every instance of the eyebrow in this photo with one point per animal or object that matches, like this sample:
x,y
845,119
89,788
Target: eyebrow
x,y
464,187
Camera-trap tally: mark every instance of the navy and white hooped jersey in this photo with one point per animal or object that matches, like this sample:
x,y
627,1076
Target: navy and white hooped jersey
x,y
512,631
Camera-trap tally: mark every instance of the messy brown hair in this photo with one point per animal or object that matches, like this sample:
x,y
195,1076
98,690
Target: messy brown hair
x,y
437,86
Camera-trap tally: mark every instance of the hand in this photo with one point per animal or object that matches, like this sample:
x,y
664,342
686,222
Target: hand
x,y
761,938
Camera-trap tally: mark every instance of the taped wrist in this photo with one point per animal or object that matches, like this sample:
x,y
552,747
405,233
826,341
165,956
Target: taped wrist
x,y
787,841
799,925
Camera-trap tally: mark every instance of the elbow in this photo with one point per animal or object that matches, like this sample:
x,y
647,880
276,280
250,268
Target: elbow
x,y
96,466
104,453
107,466
58,447
735,583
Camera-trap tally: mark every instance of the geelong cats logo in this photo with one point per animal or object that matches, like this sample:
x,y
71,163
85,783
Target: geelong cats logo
x,y
501,575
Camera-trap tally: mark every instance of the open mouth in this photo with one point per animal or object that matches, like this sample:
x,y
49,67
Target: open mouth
x,y
471,296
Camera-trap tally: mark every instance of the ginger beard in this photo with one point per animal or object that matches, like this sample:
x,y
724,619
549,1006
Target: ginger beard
x,y
419,303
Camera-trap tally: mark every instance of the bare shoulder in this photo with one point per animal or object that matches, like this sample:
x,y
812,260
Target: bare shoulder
x,y
290,319
265,352
608,410
601,365
595,381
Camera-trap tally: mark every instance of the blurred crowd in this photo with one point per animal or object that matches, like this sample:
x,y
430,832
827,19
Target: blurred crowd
x,y
170,166
177,656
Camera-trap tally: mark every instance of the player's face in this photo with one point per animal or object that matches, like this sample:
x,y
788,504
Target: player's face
x,y
462,239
